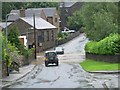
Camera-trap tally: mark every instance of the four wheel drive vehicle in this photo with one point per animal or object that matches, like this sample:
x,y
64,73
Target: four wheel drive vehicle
x,y
59,50
51,57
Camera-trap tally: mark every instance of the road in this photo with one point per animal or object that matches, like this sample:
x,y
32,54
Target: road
x,y
69,74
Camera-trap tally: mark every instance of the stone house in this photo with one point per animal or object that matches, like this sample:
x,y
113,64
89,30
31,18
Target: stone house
x,y
48,14
67,9
26,13
45,32
3,25
52,16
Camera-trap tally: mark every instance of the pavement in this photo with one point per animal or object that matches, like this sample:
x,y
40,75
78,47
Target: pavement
x,y
15,76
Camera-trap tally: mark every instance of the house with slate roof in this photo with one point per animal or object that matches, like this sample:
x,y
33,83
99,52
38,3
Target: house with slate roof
x,y
45,30
48,14
67,9
3,25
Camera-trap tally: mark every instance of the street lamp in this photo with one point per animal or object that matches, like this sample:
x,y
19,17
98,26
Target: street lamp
x,y
6,33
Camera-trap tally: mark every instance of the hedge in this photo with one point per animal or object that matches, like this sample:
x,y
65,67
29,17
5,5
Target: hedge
x,y
108,45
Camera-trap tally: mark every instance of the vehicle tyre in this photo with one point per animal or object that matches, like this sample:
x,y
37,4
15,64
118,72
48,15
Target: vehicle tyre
x,y
57,63
46,64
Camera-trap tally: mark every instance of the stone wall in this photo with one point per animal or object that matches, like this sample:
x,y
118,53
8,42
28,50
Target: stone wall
x,y
73,35
21,60
104,58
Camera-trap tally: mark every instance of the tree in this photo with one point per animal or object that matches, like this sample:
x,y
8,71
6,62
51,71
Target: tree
x,y
75,21
13,37
100,19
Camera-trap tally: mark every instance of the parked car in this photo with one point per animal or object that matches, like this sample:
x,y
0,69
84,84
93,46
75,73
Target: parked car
x,y
71,31
59,50
67,30
51,57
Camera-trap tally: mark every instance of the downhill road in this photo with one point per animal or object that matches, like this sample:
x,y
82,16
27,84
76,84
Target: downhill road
x,y
69,74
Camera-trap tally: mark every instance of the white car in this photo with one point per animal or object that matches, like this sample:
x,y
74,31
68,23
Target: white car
x,y
59,50
71,31
68,31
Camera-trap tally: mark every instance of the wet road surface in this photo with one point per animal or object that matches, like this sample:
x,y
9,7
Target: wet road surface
x,y
69,74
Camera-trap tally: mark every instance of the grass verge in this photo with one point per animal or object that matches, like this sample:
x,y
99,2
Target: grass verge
x,y
92,65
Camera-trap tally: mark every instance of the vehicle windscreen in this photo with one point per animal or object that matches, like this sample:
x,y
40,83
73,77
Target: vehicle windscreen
x,y
50,54
58,49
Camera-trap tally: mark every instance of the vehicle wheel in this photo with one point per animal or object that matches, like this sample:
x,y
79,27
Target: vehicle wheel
x,y
57,63
46,64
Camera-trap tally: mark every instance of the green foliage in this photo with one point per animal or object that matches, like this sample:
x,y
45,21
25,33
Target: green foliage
x,y
13,38
0,45
75,21
7,56
109,45
61,35
28,52
98,19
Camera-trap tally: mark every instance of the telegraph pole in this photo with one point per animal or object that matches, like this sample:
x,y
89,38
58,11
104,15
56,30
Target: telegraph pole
x,y
34,34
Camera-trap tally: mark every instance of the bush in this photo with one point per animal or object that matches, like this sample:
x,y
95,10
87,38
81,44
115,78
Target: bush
x,y
28,52
109,45
61,36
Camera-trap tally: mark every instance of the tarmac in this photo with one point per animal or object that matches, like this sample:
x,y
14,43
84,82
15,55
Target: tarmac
x,y
24,71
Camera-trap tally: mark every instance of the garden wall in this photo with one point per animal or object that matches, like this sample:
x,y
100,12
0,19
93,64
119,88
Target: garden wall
x,y
104,58
4,69
70,37
21,60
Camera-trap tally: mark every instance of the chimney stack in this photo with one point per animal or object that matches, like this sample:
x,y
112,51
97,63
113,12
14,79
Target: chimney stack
x,y
22,12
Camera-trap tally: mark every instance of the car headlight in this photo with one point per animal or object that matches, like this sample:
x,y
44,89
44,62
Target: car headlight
x,y
46,59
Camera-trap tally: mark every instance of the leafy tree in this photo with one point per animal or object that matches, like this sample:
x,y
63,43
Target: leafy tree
x,y
75,21
100,19
13,38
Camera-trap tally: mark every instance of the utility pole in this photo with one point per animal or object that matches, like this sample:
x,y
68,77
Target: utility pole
x,y
34,34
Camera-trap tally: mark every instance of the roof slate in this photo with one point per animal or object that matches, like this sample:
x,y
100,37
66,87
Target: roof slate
x,y
3,24
49,12
39,23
